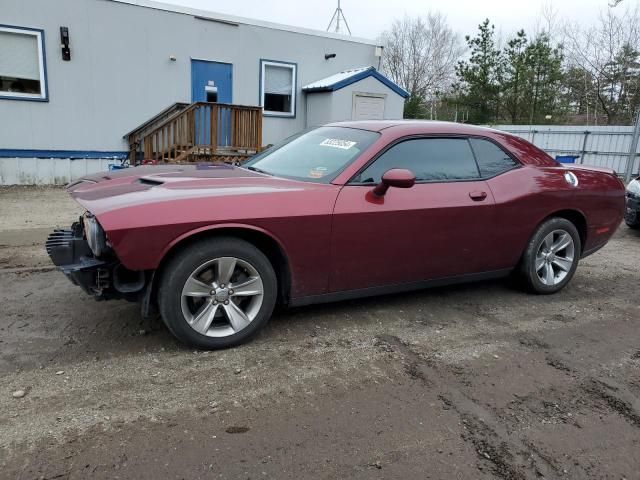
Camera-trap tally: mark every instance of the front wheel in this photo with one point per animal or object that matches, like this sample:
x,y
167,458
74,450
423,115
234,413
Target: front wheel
x,y
634,225
551,256
217,293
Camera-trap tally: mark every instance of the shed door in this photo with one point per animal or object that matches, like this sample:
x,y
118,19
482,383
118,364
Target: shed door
x,y
368,107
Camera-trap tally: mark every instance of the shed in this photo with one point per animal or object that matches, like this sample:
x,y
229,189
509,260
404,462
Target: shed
x,y
356,94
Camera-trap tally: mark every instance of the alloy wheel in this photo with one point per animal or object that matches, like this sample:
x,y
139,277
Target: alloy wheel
x,y
222,296
555,257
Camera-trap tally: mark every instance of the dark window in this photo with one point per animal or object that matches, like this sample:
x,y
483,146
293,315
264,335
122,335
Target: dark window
x,y
430,159
492,160
212,96
274,102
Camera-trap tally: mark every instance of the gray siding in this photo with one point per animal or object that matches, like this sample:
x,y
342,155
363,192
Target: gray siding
x,y
120,73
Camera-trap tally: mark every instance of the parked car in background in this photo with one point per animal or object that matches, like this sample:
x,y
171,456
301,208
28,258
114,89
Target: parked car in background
x,y
346,210
632,211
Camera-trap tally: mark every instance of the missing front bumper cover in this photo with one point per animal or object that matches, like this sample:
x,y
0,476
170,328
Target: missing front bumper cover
x,y
102,278
70,252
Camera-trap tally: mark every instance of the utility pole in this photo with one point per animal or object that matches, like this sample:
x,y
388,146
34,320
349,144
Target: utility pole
x,y
633,150
337,16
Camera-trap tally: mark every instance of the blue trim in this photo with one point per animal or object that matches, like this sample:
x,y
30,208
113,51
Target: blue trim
x,y
44,67
370,72
72,154
295,90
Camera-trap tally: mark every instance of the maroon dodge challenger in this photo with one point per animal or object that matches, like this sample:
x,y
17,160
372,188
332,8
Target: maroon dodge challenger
x,y
341,211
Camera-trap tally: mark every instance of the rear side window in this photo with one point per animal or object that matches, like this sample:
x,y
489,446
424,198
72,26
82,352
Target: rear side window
x,y
430,159
492,160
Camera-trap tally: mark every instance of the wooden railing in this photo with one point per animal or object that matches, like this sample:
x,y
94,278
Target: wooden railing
x,y
205,131
135,136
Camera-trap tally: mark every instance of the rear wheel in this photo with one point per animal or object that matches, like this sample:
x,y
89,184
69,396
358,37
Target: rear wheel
x,y
217,293
551,257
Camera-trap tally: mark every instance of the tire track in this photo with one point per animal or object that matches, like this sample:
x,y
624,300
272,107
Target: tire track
x,y
507,456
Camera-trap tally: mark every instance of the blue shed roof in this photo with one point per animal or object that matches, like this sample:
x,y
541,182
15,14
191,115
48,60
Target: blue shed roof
x,y
347,77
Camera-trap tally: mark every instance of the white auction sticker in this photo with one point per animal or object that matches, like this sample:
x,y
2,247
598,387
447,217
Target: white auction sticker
x,y
337,143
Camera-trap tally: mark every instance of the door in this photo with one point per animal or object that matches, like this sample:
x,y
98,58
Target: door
x,y
368,106
212,82
438,228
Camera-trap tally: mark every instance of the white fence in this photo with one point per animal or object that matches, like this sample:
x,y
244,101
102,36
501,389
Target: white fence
x,y
606,146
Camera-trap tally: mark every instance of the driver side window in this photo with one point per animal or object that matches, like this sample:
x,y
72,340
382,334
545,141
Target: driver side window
x,y
430,159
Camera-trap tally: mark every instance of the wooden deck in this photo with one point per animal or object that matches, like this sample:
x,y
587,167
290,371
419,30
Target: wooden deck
x,y
200,132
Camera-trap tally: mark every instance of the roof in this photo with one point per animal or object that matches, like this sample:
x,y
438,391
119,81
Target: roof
x,y
425,126
347,77
234,20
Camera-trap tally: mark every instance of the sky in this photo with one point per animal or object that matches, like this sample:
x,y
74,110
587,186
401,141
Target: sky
x,y
368,18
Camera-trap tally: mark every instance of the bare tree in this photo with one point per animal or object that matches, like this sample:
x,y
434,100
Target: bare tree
x,y
609,52
547,22
420,54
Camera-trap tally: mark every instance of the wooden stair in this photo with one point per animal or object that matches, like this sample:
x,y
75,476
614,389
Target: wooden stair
x,y
200,132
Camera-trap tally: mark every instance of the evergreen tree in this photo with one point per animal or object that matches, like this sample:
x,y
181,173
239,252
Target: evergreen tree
x,y
480,77
543,79
515,58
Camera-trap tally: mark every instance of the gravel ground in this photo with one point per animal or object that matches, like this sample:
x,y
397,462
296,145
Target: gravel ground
x,y
475,381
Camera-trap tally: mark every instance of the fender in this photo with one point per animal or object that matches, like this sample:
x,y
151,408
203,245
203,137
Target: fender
x,y
210,228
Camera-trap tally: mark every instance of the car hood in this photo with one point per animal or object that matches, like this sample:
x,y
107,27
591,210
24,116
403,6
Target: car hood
x,y
108,191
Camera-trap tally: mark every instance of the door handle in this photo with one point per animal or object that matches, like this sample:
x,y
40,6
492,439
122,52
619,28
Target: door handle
x,y
477,196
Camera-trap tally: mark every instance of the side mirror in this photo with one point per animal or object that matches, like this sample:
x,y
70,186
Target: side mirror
x,y
396,177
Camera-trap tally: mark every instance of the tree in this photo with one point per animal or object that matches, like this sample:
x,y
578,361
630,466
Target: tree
x,y
480,77
543,65
515,69
420,55
414,107
578,93
609,53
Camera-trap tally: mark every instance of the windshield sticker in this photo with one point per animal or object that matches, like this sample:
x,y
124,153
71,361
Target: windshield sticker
x,y
337,143
318,172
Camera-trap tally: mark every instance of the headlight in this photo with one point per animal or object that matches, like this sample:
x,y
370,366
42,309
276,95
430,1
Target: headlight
x,y
634,187
94,234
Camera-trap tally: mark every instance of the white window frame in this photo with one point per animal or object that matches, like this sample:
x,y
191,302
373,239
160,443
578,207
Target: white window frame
x,y
39,34
294,71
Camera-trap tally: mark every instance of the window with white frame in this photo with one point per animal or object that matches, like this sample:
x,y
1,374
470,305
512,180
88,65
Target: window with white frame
x,y
278,88
22,71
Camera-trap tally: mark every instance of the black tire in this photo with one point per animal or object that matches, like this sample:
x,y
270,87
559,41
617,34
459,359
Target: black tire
x,y
185,262
528,271
634,226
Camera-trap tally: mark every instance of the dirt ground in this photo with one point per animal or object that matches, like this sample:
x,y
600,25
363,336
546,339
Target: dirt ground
x,y
471,382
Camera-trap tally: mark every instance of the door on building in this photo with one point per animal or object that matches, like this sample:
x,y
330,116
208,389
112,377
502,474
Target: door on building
x,y
212,82
368,106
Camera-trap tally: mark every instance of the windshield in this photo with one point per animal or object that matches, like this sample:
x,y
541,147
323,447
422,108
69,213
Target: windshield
x,y
317,155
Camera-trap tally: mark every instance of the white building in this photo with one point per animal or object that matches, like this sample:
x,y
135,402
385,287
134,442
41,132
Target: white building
x,y
77,75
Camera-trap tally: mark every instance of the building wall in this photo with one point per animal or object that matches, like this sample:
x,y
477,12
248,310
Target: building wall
x,y
120,73
320,108
50,171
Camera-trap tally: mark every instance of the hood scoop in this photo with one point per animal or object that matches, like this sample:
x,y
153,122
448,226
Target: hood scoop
x,y
150,181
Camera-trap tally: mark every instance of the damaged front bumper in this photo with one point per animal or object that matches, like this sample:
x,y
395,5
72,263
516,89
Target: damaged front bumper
x,y
104,277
